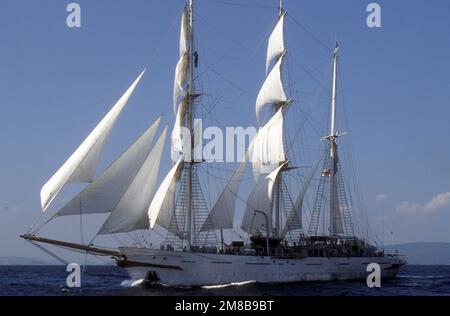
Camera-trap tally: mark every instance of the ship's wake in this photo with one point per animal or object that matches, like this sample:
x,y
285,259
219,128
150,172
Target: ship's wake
x,y
132,283
221,286
142,283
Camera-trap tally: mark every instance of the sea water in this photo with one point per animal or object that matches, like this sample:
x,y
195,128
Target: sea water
x,y
110,280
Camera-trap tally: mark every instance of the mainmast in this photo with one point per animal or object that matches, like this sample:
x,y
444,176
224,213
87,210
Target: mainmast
x,y
190,109
268,154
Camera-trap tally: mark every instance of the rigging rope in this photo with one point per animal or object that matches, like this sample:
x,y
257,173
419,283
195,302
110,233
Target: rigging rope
x,y
354,171
230,82
243,5
51,254
225,36
302,27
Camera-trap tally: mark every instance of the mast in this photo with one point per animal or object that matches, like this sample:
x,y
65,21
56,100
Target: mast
x,y
281,12
189,203
278,207
333,100
340,221
268,155
334,202
190,107
280,9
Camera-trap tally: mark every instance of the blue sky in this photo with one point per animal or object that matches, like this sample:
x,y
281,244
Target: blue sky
x,y
56,83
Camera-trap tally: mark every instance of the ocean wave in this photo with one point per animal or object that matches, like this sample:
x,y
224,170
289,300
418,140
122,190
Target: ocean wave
x,y
423,277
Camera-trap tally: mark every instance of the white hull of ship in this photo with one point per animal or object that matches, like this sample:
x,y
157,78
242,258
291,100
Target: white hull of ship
x,y
175,268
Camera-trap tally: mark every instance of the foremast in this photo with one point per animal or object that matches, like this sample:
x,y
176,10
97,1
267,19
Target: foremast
x,y
182,213
190,106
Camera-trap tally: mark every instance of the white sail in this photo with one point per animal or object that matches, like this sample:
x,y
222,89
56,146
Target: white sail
x,y
261,200
294,222
222,214
81,166
268,150
181,69
272,91
177,137
162,207
106,190
130,214
276,43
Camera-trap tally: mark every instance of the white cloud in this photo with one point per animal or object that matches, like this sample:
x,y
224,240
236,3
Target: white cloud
x,y
437,203
381,197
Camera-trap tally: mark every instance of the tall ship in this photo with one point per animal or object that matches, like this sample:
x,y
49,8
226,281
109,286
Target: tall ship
x,y
273,246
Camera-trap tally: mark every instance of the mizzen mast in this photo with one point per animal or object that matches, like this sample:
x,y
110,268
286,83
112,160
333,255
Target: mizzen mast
x,y
335,216
340,222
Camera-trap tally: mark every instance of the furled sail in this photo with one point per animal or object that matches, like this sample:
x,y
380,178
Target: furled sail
x,y
276,43
180,79
162,207
268,150
184,33
272,91
181,69
130,214
261,199
294,221
107,189
81,166
181,137
178,138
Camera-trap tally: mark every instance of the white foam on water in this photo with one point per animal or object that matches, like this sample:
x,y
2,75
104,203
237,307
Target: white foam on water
x,y
221,286
132,283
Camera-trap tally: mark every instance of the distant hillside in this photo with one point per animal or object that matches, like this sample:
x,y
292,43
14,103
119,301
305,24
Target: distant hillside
x,y
426,253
